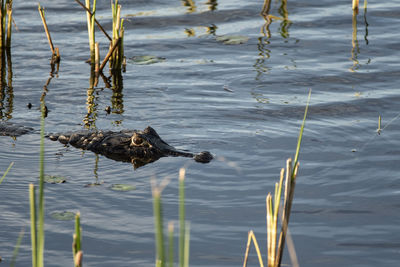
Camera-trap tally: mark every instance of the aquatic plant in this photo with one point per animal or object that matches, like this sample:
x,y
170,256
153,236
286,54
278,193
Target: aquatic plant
x,y
117,57
355,5
275,246
184,227
5,173
76,244
5,23
90,16
55,51
37,218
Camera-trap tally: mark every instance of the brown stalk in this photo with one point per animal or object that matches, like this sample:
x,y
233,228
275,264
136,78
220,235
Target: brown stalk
x,y
112,49
41,12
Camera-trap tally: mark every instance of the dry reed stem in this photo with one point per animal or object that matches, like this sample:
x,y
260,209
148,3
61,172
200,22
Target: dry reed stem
x,y
95,20
41,12
97,57
355,5
289,193
109,55
78,258
252,237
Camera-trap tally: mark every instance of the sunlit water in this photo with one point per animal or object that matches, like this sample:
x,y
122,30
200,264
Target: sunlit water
x,y
244,103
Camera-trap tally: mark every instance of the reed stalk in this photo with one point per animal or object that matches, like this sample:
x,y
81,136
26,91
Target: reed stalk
x,y
182,217
251,237
16,249
170,244
109,54
5,173
55,51
158,224
355,5
118,33
90,16
76,244
186,245
32,201
275,249
95,20
9,22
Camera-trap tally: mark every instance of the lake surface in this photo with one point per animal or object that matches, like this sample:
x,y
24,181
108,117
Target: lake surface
x,y
244,103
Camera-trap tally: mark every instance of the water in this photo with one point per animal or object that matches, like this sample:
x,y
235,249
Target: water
x,y
244,103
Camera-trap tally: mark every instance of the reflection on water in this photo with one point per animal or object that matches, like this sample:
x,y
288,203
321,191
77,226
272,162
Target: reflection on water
x,y
212,5
264,40
354,43
285,24
6,88
91,105
191,6
117,101
355,47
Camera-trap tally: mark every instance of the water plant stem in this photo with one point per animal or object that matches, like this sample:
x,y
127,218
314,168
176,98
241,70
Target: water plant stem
x,y
76,244
182,217
46,29
5,173
158,224
95,20
110,52
170,244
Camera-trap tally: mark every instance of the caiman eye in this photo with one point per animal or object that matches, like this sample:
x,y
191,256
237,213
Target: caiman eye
x,y
136,140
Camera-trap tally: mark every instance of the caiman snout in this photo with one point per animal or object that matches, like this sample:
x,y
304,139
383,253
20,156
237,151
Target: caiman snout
x,y
203,157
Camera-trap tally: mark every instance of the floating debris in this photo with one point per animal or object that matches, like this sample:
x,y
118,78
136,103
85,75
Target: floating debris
x,y
122,187
54,179
232,39
146,60
63,215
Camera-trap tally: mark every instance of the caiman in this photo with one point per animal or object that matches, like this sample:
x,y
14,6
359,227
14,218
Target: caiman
x,y
137,147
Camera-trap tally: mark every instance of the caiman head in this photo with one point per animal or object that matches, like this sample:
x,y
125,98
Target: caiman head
x,y
149,139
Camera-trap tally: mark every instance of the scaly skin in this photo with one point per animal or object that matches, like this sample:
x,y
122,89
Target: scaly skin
x,y
138,147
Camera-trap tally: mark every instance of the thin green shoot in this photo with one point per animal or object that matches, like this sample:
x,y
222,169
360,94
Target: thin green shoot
x,y
158,225
16,249
296,156
5,173
170,244
182,172
76,244
186,246
32,201
379,125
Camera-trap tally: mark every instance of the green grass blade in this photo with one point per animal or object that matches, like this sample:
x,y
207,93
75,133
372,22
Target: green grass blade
x,y
8,169
186,249
16,249
32,201
158,224
296,156
171,244
181,216
40,234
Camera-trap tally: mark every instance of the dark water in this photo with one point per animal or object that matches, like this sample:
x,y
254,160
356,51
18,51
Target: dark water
x,y
244,103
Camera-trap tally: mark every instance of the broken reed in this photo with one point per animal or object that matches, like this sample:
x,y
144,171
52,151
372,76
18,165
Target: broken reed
x,y
5,23
275,246
184,227
55,58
